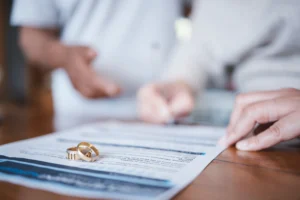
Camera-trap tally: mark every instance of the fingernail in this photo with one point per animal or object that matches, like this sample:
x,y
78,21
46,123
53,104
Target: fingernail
x,y
243,145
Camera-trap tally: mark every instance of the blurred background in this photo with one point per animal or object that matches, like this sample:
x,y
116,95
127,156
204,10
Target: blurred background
x,y
12,70
24,86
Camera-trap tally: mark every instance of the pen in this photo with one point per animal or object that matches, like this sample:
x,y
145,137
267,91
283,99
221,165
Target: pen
x,y
172,121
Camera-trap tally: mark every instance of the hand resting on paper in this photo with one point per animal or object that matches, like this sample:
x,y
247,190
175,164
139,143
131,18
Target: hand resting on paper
x,y
281,108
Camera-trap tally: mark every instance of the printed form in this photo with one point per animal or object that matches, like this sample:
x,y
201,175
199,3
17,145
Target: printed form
x,y
137,161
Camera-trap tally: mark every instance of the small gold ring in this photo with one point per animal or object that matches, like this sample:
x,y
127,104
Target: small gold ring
x,y
72,153
91,148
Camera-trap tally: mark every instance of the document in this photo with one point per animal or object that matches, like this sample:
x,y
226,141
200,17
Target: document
x,y
137,161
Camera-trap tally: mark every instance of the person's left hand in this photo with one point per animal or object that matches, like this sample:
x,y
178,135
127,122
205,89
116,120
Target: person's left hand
x,y
164,102
281,107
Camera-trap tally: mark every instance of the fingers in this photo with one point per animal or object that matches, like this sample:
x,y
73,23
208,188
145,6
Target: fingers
x,y
90,85
152,106
89,54
244,100
182,104
90,93
261,112
285,129
84,78
102,86
162,102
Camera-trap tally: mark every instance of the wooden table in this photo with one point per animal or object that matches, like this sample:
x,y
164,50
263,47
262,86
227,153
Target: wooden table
x,y
270,174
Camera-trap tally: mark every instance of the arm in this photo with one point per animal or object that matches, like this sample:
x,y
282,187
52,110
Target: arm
x,y
274,62
42,47
189,59
39,24
40,43
173,97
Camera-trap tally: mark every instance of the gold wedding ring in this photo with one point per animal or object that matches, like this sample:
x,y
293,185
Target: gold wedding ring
x,y
85,146
72,153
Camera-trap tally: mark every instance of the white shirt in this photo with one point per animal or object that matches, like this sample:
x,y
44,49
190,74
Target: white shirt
x,y
261,38
132,38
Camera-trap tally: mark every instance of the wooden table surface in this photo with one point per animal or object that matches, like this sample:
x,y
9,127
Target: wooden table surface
x,y
269,174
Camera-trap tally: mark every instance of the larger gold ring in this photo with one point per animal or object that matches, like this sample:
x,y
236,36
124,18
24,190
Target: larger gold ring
x,y
82,147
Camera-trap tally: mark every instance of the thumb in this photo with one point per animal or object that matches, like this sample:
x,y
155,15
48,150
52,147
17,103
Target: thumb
x,y
109,87
151,97
182,104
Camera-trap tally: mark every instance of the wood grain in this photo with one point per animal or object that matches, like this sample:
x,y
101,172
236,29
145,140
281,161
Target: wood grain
x,y
270,174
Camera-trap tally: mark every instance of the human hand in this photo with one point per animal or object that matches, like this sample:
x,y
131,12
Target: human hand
x,y
281,107
77,64
162,102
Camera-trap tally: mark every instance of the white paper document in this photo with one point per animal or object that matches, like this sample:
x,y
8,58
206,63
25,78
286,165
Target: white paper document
x,y
137,161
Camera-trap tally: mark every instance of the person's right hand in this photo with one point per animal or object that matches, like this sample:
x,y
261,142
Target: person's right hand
x,y
281,108
77,64
163,102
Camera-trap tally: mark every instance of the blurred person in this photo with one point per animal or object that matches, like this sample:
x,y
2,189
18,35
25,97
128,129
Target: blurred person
x,y
97,49
260,38
279,107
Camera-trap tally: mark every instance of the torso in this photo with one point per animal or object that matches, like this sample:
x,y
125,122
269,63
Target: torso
x,y
132,38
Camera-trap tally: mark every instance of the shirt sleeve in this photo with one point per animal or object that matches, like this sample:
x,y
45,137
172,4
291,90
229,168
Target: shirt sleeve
x,y
277,65
189,60
186,66
262,74
35,13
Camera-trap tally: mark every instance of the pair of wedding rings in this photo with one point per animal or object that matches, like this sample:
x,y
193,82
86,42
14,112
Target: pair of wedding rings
x,y
84,151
